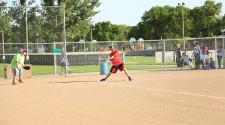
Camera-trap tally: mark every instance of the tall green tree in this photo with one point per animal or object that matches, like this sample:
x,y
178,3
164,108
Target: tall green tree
x,y
78,16
223,22
106,31
22,2
48,3
163,22
166,22
205,19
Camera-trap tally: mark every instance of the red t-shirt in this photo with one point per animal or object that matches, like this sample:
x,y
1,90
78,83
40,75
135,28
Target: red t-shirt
x,y
115,57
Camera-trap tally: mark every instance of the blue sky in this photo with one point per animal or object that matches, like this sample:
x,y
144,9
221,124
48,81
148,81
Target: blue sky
x,y
129,12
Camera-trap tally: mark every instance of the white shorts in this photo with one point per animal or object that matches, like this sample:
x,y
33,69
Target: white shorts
x,y
17,72
204,57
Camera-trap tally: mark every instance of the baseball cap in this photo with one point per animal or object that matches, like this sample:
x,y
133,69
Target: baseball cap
x,y
110,47
23,50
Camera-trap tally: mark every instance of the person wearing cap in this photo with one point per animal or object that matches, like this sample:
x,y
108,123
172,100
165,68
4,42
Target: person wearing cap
x,y
117,63
196,53
64,62
17,64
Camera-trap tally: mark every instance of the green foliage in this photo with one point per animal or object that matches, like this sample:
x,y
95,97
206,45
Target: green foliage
x,y
166,22
163,22
105,31
46,24
48,2
78,14
22,2
205,19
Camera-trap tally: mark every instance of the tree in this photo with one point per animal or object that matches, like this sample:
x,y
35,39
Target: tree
x,y
78,16
48,3
205,19
106,31
22,2
223,22
163,22
166,22
4,20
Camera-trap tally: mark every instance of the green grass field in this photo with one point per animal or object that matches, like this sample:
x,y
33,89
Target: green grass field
x,y
44,70
49,69
1,70
143,60
132,63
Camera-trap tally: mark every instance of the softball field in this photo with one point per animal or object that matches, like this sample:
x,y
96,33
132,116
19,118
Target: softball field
x,y
152,98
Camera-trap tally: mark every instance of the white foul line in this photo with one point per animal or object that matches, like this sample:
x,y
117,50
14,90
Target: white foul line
x,y
183,93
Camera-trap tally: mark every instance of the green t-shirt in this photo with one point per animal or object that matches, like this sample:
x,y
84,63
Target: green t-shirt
x,y
17,61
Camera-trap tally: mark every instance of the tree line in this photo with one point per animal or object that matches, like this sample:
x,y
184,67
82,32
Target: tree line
x,y
166,22
46,24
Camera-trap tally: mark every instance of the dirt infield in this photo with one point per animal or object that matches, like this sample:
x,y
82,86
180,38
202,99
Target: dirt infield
x,y
153,98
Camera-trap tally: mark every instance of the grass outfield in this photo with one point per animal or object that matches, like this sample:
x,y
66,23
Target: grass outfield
x,y
44,70
49,69
143,60
1,70
132,63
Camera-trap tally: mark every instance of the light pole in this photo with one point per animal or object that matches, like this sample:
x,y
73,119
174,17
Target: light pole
x,y
223,44
25,6
3,46
3,50
92,28
182,11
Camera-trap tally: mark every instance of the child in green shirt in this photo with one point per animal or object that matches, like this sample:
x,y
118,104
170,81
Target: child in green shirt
x,y
17,64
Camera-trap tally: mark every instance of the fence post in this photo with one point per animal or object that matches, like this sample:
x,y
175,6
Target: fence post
x,y
84,47
64,34
99,58
85,59
123,56
27,57
164,53
55,63
215,49
3,52
223,53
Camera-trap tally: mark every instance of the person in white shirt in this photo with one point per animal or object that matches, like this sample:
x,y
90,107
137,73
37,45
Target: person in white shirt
x,y
219,56
186,60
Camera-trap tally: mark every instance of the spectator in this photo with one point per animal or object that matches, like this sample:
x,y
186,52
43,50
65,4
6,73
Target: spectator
x,y
219,56
212,64
205,57
64,62
186,60
197,53
178,56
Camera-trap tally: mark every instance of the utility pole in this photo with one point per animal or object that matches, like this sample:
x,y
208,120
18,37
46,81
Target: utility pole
x,y
182,12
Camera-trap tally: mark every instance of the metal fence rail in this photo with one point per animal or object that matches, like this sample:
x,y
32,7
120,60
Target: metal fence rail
x,y
157,54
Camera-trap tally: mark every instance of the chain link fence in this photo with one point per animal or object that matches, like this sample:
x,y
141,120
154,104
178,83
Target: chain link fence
x,y
42,29
139,55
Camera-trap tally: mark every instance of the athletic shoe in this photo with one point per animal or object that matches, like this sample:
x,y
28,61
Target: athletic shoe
x,y
102,80
129,78
13,83
20,81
